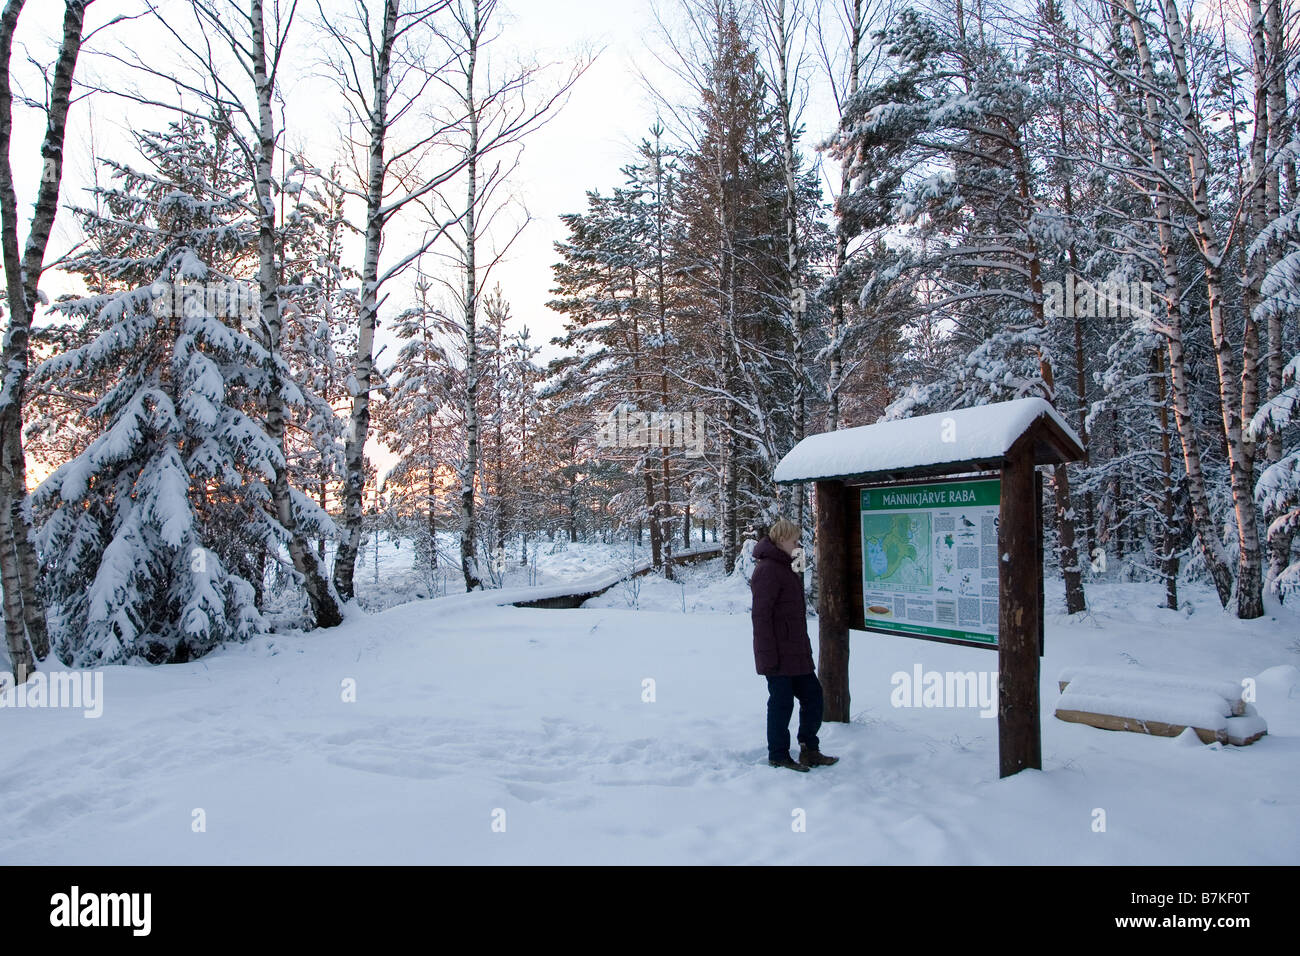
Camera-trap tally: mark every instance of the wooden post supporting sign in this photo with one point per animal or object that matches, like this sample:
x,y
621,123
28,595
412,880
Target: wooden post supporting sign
x,y
1019,615
833,597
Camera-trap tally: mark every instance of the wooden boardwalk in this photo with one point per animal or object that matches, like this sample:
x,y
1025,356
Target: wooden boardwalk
x,y
564,594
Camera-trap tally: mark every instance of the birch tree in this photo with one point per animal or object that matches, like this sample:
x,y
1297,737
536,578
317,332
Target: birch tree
x,y
419,422
325,611
26,633
489,116
380,60
1238,388
1136,147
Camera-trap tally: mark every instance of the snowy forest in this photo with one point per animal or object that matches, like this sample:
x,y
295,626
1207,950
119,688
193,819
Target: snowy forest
x,y
250,361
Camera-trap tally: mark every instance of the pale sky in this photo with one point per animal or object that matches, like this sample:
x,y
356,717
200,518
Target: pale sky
x,y
582,147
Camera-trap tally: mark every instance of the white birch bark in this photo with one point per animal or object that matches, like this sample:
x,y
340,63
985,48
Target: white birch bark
x,y
26,634
469,467
1238,391
1181,387
363,368
325,611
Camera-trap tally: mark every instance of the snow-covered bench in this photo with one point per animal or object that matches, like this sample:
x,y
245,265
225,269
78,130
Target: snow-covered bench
x,y
1163,704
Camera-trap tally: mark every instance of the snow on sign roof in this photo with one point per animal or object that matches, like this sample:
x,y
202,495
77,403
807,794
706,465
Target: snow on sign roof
x,y
943,443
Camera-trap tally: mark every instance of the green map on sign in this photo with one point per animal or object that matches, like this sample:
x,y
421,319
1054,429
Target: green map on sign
x,y
896,549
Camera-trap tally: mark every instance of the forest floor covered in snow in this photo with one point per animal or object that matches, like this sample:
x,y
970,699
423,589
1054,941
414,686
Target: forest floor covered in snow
x,y
485,734
387,574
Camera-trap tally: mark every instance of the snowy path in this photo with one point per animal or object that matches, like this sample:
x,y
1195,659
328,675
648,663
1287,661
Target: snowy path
x,y
539,713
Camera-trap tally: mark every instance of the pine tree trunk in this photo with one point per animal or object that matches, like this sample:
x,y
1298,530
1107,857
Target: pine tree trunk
x,y
1169,532
1080,356
730,483
661,310
573,511
502,517
1067,552
640,397
322,499
834,378
665,516
1276,60
432,516
779,29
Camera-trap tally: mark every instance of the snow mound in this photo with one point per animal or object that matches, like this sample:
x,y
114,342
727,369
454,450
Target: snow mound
x,y
1243,730
1186,709
1108,681
1097,695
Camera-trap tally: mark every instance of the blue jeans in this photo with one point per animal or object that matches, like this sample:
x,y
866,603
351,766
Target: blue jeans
x,y
781,692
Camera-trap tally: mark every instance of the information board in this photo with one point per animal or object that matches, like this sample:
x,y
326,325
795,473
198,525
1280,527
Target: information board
x,y
930,560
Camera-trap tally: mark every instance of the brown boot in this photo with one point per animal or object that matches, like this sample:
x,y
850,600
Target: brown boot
x,y
810,756
785,761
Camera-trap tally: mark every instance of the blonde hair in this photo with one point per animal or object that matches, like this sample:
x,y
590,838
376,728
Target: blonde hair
x,y
783,530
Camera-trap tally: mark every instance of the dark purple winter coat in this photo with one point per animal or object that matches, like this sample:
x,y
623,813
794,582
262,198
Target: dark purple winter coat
x,y
781,645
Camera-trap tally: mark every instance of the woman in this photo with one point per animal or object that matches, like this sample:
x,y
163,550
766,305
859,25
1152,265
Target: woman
x,y
782,651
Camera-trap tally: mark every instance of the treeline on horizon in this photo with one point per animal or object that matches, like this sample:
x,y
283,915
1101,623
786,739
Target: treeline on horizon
x,y
997,175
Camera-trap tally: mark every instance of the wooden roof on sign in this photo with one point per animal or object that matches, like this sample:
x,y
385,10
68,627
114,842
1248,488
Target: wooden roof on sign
x,y
944,443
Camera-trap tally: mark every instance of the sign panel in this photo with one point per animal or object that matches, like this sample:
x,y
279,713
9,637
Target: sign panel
x,y
930,560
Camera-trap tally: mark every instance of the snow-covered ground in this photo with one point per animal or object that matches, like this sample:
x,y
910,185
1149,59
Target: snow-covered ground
x,y
396,579
507,735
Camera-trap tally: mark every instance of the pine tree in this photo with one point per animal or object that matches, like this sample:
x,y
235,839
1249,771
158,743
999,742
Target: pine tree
x,y
1277,491
189,188
508,416
606,283
131,528
418,421
946,146
733,261
320,329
